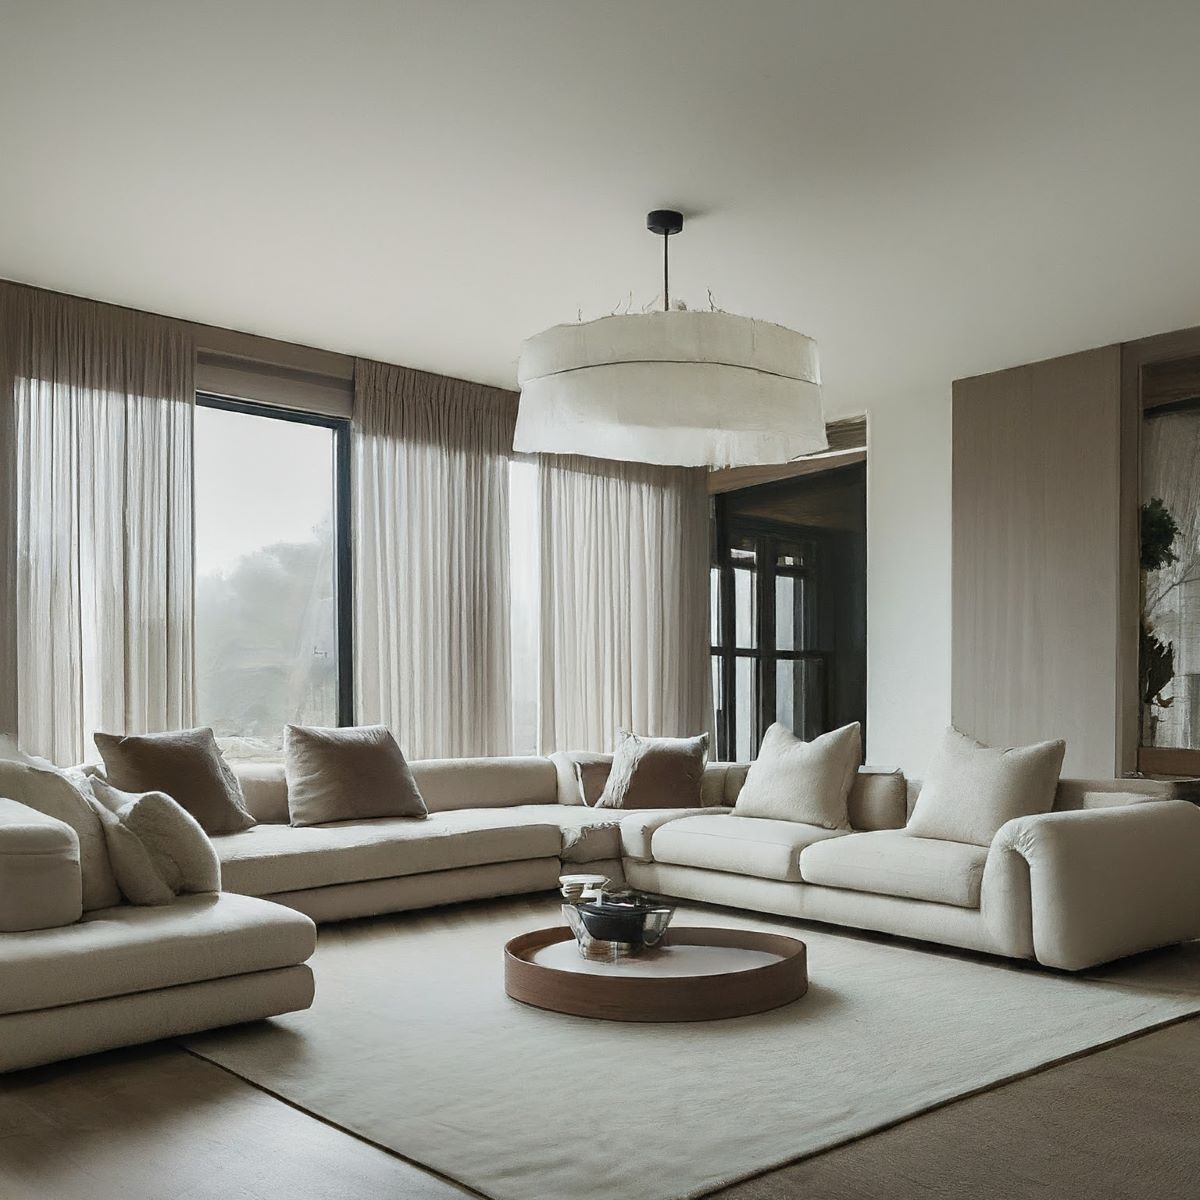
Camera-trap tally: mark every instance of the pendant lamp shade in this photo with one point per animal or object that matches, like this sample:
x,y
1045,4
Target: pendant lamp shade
x,y
676,388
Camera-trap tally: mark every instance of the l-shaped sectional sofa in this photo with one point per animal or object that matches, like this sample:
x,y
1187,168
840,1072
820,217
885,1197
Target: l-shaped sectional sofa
x,y
1113,870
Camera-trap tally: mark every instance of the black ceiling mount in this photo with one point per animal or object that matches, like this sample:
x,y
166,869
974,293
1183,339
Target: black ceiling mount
x,y
664,222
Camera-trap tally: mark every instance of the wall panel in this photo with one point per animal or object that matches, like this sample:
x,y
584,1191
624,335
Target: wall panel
x,y
1036,556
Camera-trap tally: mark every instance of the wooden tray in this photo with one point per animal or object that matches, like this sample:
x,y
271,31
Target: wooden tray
x,y
694,974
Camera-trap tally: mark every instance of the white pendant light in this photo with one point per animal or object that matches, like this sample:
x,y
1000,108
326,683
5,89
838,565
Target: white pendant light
x,y
675,388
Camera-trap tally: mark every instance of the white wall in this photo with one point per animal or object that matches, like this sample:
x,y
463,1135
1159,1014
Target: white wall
x,y
908,580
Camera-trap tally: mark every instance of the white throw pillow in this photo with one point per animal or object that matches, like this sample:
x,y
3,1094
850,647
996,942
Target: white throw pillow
x,y
809,782
157,848
971,790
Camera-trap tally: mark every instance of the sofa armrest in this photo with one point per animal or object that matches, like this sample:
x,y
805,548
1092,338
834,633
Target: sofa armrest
x,y
1108,882
41,884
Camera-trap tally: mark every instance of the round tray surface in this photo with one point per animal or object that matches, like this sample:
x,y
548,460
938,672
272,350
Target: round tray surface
x,y
694,974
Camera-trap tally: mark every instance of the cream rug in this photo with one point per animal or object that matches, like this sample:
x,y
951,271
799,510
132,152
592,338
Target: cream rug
x,y
413,1044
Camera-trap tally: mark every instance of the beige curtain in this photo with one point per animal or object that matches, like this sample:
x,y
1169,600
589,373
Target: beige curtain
x,y
624,602
99,421
431,635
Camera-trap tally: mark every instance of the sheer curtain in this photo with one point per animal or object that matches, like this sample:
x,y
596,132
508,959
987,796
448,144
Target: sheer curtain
x,y
624,602
100,519
431,636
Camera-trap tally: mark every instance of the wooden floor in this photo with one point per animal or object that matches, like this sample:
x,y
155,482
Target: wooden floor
x,y
156,1123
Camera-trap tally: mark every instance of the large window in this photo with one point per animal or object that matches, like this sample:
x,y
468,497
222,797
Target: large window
x,y
272,573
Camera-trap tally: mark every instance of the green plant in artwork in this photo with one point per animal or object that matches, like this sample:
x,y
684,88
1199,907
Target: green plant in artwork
x,y
1156,658
1159,531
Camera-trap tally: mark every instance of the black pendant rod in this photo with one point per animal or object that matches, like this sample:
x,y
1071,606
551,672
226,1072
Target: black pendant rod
x,y
665,221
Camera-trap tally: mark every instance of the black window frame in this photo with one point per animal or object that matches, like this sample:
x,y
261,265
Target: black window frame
x,y
769,537
343,585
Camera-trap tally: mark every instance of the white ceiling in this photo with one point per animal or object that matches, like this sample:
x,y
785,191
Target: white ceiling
x,y
932,188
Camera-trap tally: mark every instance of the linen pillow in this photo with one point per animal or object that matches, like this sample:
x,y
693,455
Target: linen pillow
x,y
971,789
158,850
188,766
350,774
54,794
592,774
655,772
809,782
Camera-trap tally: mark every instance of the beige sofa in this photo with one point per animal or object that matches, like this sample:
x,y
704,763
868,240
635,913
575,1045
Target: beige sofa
x,y
74,980
1112,871
1097,879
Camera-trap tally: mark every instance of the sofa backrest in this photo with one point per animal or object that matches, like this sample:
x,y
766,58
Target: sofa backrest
x,y
1075,794
445,783
877,799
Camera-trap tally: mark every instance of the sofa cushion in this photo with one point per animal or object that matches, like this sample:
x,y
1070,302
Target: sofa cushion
x,y
356,773
61,796
157,849
588,834
892,862
971,789
40,882
638,829
117,951
655,772
745,845
187,765
807,782
286,858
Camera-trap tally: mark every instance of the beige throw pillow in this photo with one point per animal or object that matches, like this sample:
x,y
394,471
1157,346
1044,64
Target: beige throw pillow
x,y
809,782
187,765
158,850
655,772
348,774
971,790
52,793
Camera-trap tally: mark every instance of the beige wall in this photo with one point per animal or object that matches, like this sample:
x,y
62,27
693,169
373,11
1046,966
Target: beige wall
x,y
1037,558
908,580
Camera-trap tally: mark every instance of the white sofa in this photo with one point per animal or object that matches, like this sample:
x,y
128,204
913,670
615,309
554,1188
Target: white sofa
x,y
73,981
1098,878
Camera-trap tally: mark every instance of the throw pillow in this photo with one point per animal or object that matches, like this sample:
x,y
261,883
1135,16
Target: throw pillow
x,y
591,773
655,772
348,774
188,766
971,789
158,850
52,793
809,782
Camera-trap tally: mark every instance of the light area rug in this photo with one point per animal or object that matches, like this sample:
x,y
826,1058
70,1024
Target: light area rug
x,y
413,1044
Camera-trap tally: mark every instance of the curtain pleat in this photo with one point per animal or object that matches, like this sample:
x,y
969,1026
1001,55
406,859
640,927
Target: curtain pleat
x,y
102,403
624,602
431,634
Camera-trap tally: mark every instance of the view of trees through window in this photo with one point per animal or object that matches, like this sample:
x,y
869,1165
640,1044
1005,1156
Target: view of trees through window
x,y
266,612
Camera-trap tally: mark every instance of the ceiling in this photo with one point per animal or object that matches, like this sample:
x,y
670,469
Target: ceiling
x,y
931,188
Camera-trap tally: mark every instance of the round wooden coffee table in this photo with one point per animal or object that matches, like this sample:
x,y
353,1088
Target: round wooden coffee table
x,y
696,974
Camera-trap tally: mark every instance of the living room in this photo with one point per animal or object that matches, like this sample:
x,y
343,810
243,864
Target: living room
x,y
600,600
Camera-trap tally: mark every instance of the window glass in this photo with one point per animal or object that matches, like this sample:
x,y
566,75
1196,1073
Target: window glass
x,y
744,609
1170,553
266,610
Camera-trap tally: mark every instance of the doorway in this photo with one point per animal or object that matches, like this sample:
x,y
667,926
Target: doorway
x,y
788,592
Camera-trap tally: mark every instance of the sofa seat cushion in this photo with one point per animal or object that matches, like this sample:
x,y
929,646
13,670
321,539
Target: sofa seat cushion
x,y
285,858
638,829
759,846
126,949
588,834
892,862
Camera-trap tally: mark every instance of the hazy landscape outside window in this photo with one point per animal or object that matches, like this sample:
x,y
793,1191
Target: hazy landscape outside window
x,y
266,631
